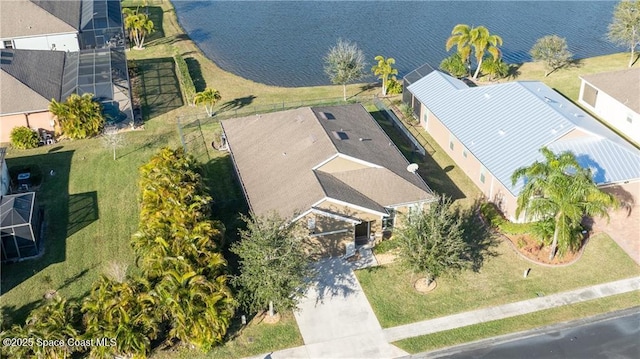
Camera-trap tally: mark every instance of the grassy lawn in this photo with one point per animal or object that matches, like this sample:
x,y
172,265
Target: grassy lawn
x,y
519,323
499,281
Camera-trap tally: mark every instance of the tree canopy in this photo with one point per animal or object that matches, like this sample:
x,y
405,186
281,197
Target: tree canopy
x,y
384,69
624,29
79,116
432,242
274,266
138,25
466,38
559,190
344,63
207,98
552,50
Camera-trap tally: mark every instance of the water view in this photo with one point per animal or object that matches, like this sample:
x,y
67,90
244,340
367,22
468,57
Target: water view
x,y
283,42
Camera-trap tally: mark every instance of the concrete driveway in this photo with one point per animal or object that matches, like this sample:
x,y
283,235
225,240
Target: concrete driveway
x,y
336,320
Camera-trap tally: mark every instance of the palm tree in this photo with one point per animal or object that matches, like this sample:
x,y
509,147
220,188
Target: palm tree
x,y
199,309
383,70
495,68
209,97
79,116
483,41
124,311
137,25
561,190
461,38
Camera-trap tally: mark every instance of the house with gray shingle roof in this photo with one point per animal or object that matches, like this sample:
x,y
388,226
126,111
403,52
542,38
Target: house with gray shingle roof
x,y
63,25
615,98
490,131
333,168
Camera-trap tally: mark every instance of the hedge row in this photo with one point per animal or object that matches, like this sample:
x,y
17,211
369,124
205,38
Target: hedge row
x,y
186,82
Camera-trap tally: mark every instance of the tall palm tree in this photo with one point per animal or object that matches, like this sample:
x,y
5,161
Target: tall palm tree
x,y
462,39
137,25
383,70
209,97
561,190
482,41
79,116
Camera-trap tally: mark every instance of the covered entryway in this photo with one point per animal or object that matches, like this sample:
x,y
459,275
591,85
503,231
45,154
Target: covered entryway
x,y
362,233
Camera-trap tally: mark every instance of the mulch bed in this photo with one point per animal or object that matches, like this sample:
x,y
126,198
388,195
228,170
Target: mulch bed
x,y
532,249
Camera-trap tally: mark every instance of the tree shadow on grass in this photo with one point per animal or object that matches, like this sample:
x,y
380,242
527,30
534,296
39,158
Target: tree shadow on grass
x,y
196,74
237,103
160,86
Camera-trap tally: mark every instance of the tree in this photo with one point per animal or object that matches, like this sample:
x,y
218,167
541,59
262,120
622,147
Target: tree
x,y
79,116
495,68
624,29
553,51
383,70
123,310
112,139
344,63
479,38
138,25
432,242
274,266
209,97
559,189
454,66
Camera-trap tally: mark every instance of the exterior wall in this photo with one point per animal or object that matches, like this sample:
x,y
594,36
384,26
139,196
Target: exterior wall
x,y
331,244
340,164
492,189
614,113
575,133
62,42
34,121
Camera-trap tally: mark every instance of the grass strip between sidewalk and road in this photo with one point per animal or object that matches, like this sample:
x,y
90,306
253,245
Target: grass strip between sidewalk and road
x,y
519,323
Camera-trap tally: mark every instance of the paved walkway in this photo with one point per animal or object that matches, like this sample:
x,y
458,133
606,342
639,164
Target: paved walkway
x,y
334,348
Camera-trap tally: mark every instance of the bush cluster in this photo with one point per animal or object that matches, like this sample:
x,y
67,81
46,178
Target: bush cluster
x,y
186,82
24,138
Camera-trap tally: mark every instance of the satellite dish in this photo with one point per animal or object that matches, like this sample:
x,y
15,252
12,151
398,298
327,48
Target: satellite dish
x,y
413,167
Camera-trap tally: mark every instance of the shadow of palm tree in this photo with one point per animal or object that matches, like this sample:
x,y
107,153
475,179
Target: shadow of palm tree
x,y
237,103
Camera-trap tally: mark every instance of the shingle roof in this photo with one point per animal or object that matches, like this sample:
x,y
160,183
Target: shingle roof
x,y
622,85
30,79
505,125
275,155
26,18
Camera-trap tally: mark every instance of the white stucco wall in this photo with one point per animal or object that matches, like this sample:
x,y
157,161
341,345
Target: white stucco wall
x,y
614,113
62,42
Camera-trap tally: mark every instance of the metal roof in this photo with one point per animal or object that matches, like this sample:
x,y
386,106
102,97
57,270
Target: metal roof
x,y
505,125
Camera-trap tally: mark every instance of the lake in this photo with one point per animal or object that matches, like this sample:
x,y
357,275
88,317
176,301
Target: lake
x,y
283,42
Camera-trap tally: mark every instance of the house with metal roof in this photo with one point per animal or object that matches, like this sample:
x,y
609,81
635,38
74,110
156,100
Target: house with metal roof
x,y
333,168
490,131
29,79
62,25
615,98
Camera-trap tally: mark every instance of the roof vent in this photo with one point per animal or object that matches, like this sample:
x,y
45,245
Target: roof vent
x,y
546,99
340,135
413,167
501,132
486,95
327,116
554,131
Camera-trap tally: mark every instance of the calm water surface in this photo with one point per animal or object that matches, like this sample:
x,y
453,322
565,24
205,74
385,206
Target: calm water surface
x,y
283,42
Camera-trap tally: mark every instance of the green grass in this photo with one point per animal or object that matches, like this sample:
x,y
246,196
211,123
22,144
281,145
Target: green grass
x,y
519,323
256,338
499,281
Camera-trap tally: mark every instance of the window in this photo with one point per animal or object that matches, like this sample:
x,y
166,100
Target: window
x,y
451,142
388,222
311,223
425,118
482,174
8,44
464,153
630,119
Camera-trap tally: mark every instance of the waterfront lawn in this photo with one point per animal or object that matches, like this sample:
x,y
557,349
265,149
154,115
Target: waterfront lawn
x,y
499,281
256,338
519,323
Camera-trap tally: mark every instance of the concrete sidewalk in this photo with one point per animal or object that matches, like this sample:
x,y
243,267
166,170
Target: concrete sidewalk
x,y
511,309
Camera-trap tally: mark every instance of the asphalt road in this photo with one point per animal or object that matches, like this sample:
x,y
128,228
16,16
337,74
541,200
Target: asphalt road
x,y
617,337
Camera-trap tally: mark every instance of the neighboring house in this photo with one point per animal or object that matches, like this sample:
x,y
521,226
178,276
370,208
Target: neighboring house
x,y
615,98
4,173
29,79
60,25
490,131
333,168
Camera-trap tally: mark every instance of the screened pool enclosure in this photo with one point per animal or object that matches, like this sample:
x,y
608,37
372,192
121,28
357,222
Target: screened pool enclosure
x,y
19,226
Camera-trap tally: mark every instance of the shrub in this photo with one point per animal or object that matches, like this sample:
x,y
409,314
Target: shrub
x,y
454,66
186,82
394,86
496,220
23,138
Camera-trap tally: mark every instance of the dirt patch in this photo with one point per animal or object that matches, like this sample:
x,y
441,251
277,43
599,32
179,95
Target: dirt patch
x,y
385,258
421,285
532,249
270,319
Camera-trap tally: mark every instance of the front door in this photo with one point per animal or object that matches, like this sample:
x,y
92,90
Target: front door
x,y
362,233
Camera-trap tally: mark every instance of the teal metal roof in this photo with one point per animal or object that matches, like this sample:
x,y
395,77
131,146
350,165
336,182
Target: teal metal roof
x,y
505,125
